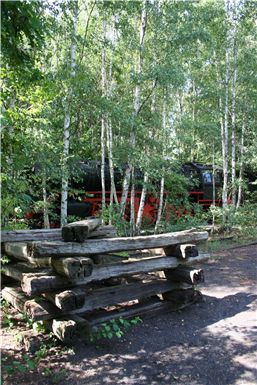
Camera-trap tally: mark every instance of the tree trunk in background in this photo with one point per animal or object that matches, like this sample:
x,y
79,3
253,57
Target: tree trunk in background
x,y
224,132
137,99
110,135
241,167
125,189
161,201
233,112
160,208
67,119
132,203
103,120
142,204
45,208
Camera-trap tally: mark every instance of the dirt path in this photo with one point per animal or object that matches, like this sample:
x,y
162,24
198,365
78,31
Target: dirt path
x,y
210,343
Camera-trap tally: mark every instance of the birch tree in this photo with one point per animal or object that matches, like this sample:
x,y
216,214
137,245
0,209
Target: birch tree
x,y
233,107
103,119
137,99
224,126
67,117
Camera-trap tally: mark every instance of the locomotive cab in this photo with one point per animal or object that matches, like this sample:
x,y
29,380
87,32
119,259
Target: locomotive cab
x,y
201,177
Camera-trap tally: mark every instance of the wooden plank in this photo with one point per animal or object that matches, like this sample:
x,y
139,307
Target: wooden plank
x,y
39,309
89,247
149,308
66,329
18,270
182,251
183,296
185,274
30,235
78,300
73,268
46,283
79,231
19,250
36,281
51,234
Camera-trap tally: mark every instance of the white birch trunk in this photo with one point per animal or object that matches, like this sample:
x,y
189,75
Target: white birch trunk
x,y
142,204
67,119
103,120
160,208
110,138
225,126
233,117
45,212
111,167
241,167
132,203
161,200
125,190
137,99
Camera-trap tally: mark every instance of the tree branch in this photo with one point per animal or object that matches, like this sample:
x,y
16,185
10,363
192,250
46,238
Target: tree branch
x,y
148,96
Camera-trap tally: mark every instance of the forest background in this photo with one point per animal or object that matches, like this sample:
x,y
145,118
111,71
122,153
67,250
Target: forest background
x,y
146,84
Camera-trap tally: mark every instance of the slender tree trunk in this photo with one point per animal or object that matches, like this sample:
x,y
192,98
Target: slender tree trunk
x,y
132,203
225,126
161,196
137,99
103,120
45,212
111,166
142,204
125,190
160,208
233,117
110,138
67,120
241,167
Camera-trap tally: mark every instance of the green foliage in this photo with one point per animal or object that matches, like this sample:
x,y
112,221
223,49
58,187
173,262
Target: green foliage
x,y
30,364
183,70
22,29
114,328
241,221
112,214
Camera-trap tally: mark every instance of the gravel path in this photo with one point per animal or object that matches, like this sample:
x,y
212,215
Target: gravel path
x,y
210,343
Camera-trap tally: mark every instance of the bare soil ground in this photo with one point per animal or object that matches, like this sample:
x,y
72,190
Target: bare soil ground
x,y
210,343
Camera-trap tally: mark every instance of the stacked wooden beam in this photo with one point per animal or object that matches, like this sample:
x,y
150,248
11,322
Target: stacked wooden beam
x,y
69,281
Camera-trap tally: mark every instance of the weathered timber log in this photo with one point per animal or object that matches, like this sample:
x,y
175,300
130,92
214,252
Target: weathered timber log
x,y
79,231
37,309
19,250
39,284
185,274
14,297
51,234
18,270
40,310
30,235
89,247
65,329
107,231
145,309
32,341
181,251
35,284
104,259
182,296
78,300
73,268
